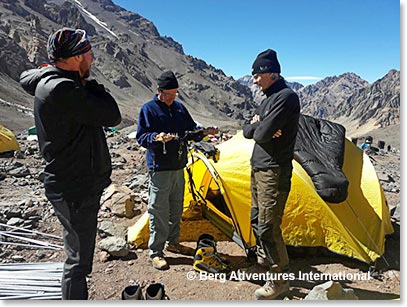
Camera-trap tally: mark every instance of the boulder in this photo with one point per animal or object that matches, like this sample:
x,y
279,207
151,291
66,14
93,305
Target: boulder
x,y
115,246
331,290
109,229
121,201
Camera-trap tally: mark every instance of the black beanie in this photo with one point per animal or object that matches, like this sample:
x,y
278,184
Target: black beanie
x,y
266,62
67,42
167,81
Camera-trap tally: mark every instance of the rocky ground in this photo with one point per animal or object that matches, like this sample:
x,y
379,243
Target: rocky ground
x,y
23,204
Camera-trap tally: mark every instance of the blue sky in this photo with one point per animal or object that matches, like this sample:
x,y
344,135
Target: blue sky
x,y
313,38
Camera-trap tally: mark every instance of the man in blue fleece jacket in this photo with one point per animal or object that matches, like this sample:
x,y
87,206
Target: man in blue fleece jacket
x,y
162,126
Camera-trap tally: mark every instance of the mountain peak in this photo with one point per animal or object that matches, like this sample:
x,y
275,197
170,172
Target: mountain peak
x,y
129,54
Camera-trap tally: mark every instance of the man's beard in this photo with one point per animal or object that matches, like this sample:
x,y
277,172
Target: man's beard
x,y
84,69
86,73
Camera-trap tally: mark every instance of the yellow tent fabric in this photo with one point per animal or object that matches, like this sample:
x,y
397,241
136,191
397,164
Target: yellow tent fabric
x,y
8,140
356,227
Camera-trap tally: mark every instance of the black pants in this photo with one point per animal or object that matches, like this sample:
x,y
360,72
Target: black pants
x,y
79,220
270,189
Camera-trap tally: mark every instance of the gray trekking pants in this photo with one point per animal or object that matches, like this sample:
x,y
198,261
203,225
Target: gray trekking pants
x,y
79,220
165,205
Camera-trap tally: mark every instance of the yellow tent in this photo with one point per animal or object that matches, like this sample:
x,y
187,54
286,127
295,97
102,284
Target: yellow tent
x,y
356,227
8,141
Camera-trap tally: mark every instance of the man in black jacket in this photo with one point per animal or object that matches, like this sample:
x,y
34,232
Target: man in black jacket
x,y
274,128
70,113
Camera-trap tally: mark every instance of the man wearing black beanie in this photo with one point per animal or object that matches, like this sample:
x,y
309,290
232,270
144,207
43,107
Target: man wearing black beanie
x,y
274,129
162,126
167,81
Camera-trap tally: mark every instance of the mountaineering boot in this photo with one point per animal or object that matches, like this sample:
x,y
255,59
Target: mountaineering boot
x,y
132,293
272,290
156,292
206,260
159,263
179,249
207,240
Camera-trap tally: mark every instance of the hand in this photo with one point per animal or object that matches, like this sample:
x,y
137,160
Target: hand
x,y
211,130
255,119
164,137
277,134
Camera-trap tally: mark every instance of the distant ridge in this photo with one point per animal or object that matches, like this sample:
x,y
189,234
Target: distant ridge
x,y
130,53
348,99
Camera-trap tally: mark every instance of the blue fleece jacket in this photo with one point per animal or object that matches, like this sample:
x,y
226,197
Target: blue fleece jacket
x,y
155,117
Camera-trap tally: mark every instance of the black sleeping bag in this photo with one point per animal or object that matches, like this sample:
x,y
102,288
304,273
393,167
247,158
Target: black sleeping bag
x,y
319,148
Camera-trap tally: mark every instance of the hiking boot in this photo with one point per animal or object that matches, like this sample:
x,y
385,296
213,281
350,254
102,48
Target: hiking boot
x,y
159,263
206,260
156,292
272,290
132,293
180,249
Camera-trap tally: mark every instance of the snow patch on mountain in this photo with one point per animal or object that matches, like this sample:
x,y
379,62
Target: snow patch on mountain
x,y
95,19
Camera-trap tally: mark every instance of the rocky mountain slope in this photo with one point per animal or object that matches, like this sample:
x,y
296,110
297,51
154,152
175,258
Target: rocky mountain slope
x,y
324,97
349,100
130,54
258,95
375,105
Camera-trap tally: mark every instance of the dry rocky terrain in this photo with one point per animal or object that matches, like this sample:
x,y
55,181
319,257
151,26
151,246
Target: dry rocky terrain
x,y
23,204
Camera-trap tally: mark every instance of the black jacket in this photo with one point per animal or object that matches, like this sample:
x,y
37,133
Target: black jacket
x,y
69,120
280,110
